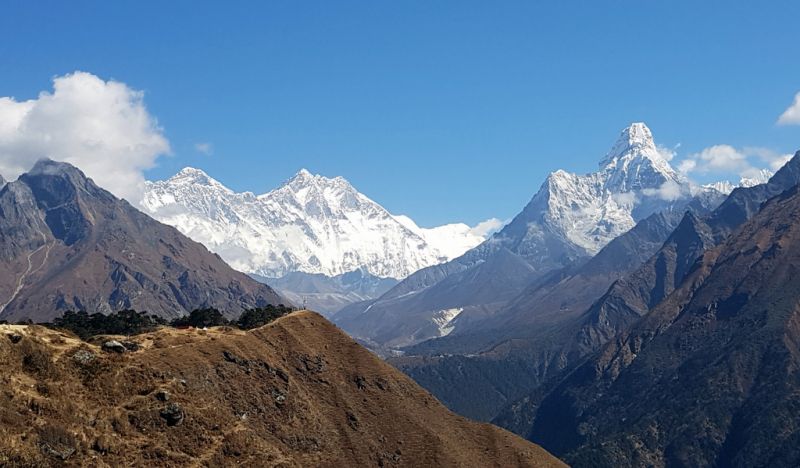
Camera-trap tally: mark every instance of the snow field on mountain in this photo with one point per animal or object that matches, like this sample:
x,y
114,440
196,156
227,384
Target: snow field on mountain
x,y
311,224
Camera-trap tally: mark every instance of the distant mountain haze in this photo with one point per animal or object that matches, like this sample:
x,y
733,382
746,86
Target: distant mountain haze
x,y
327,295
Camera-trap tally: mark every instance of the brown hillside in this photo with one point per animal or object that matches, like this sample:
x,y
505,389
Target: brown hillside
x,y
297,392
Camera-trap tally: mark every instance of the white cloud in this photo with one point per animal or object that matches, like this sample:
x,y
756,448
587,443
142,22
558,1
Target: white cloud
x,y
205,148
687,165
488,227
792,115
779,162
669,191
725,159
720,159
627,198
102,127
667,153
773,159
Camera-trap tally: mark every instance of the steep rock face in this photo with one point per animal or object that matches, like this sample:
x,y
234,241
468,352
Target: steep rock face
x,y
631,297
310,224
295,393
643,289
570,219
66,244
707,378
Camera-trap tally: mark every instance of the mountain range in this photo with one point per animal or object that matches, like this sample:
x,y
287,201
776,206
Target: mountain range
x,y
627,317
310,224
707,377
567,222
557,322
67,244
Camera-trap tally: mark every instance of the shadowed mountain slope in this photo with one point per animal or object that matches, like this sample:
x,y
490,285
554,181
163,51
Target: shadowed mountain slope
x,y
643,289
631,297
569,314
295,393
707,378
534,338
67,244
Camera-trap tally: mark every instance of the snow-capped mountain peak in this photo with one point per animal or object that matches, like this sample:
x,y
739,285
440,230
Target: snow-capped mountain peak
x,y
635,140
304,179
310,223
319,196
634,162
725,187
192,176
762,177
633,182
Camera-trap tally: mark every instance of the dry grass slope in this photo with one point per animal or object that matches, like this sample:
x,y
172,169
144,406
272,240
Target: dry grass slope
x,y
297,392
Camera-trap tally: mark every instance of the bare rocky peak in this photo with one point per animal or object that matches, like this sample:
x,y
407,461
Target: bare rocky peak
x,y
67,244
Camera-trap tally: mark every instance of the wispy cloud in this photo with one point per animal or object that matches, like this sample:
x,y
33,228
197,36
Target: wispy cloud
x,y
792,115
488,227
669,191
627,198
205,148
102,127
773,159
667,153
725,159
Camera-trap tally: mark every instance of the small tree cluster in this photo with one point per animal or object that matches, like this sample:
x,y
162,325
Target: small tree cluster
x,y
199,318
124,322
254,318
130,322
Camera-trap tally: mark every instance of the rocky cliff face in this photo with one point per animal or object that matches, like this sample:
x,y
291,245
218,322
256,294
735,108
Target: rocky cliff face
x,y
66,244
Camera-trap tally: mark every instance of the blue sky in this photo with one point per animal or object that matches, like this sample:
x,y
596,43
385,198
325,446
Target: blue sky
x,y
442,111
